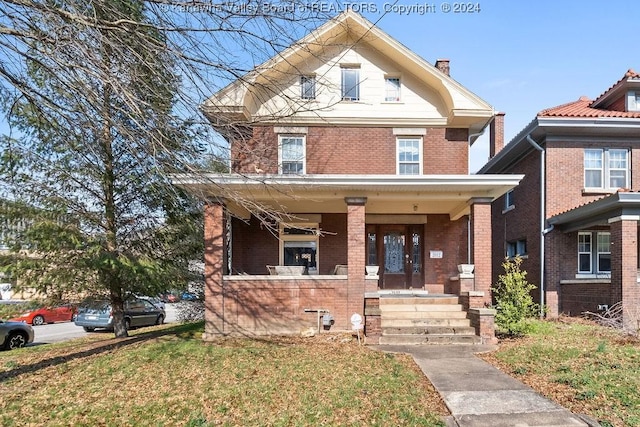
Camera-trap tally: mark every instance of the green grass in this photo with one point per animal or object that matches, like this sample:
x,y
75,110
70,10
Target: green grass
x,y
167,376
587,368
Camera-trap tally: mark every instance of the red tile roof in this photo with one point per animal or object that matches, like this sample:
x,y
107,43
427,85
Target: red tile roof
x,y
583,106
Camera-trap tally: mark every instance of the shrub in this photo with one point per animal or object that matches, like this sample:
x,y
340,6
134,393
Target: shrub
x,y
514,304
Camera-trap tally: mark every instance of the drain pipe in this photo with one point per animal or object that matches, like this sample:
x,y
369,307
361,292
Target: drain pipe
x,y
543,230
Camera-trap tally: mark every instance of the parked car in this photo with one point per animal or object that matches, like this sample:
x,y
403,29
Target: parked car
x,y
188,296
94,314
153,300
15,334
42,315
169,297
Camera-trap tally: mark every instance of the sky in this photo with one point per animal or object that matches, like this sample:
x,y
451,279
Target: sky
x,y
520,56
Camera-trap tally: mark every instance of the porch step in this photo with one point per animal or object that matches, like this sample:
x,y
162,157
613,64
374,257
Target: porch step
x,y
428,319
429,339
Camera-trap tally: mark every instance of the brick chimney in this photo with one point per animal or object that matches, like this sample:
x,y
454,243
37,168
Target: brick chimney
x,y
443,65
496,134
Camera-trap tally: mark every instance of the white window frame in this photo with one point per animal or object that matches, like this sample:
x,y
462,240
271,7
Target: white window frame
x,y
392,93
606,168
304,81
508,201
344,90
313,237
420,154
303,160
517,248
594,253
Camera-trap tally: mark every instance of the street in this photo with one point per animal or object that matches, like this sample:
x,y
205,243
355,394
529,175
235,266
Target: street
x,y
57,332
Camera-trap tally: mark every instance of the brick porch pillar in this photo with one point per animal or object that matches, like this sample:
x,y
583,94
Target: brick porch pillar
x,y
481,244
355,255
624,268
213,271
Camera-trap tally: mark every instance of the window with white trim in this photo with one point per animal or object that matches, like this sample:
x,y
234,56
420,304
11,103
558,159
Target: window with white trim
x,y
351,83
594,258
308,87
291,155
392,89
299,246
409,155
606,168
508,200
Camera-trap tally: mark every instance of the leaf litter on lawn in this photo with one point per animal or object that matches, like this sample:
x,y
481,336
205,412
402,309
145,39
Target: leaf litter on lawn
x,y
173,378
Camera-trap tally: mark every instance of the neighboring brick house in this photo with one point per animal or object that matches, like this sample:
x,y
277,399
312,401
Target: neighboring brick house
x,y
348,150
577,206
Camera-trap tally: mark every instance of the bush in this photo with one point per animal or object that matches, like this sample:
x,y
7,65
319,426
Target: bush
x,y
514,304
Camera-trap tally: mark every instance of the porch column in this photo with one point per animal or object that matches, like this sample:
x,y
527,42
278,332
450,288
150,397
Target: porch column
x,y
624,268
213,270
355,255
481,244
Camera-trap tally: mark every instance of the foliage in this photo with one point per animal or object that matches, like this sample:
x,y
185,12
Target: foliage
x,y
514,304
584,367
274,381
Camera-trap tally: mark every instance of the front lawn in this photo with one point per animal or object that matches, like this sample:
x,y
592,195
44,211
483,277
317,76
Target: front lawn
x,y
166,376
584,367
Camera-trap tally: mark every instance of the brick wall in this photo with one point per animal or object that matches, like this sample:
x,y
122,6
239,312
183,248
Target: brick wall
x,y
481,246
624,271
580,297
441,234
353,150
214,261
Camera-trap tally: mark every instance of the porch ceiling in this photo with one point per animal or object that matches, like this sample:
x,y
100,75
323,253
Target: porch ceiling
x,y
386,194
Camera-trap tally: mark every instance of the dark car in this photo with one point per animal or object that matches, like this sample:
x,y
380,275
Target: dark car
x,y
95,314
15,335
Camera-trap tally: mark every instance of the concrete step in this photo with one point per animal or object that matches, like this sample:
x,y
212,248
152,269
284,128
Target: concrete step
x,y
429,330
429,339
399,300
424,315
422,323
414,308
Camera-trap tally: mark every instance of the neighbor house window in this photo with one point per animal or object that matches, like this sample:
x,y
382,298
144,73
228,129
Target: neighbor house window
x,y
308,87
351,83
299,246
392,89
516,248
292,154
594,258
409,156
508,200
606,168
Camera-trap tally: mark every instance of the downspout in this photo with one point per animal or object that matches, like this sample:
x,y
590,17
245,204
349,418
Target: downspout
x,y
473,135
543,230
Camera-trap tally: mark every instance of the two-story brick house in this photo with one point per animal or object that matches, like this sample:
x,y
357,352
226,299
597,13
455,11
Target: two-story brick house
x,y
577,208
347,151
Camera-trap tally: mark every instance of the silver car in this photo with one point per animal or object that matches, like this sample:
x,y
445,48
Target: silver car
x,y
15,335
96,314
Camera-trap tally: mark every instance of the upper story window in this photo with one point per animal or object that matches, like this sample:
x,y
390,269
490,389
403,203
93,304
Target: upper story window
x,y
291,153
409,156
392,89
508,200
308,87
351,83
633,101
594,258
606,168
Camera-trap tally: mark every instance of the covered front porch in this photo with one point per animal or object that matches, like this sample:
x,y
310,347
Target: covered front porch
x,y
602,238
337,239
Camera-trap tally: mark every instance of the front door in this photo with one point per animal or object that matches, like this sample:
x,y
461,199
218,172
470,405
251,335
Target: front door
x,y
398,250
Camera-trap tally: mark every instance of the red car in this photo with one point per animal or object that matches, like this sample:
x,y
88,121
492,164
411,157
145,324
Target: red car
x,y
40,316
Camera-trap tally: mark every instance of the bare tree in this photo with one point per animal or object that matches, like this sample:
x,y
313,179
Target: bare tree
x,y
103,102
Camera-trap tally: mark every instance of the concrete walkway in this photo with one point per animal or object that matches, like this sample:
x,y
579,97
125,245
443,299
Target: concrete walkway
x,y
480,395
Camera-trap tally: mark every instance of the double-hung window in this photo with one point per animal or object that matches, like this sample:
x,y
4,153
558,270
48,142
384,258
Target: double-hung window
x,y
409,155
308,87
606,169
594,252
392,89
291,154
351,83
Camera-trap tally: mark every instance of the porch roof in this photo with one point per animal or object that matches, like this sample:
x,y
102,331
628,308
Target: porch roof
x,y
386,194
599,212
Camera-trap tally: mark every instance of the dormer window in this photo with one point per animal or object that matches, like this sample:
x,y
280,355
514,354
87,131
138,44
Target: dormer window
x,y
633,100
350,83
